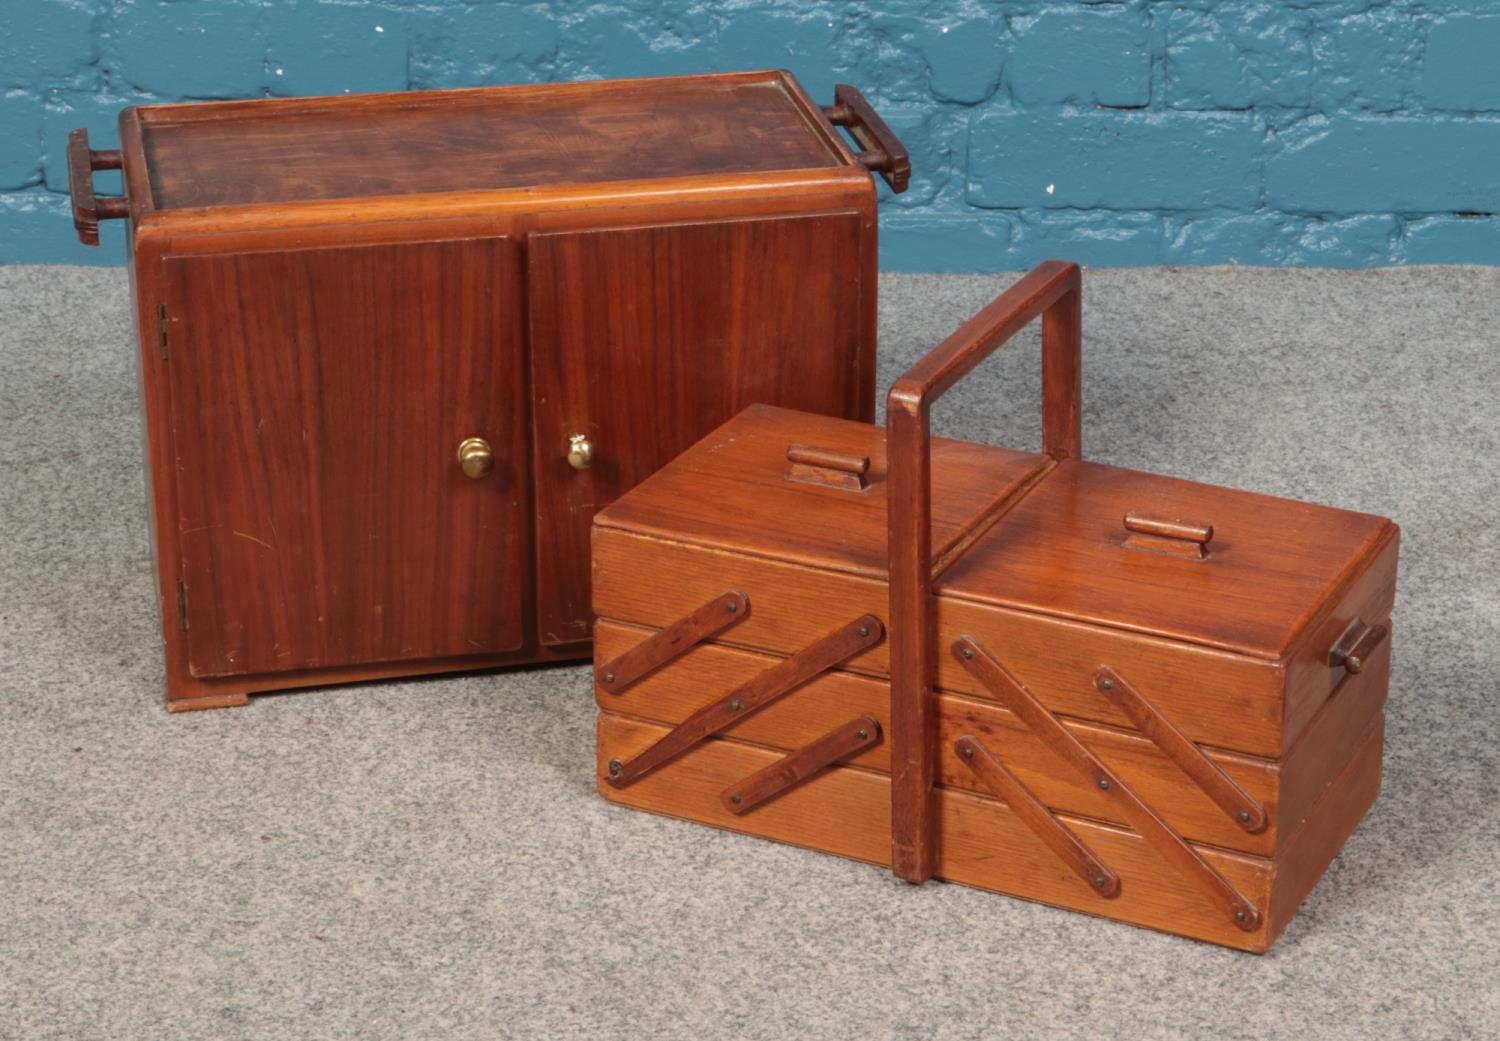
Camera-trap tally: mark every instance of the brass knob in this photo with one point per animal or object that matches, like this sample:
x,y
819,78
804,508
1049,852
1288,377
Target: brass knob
x,y
580,452
475,457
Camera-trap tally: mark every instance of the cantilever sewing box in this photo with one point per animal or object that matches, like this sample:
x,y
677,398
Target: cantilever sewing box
x,y
396,349
1130,695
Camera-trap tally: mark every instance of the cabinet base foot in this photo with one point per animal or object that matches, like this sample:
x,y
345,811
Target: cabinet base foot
x,y
208,701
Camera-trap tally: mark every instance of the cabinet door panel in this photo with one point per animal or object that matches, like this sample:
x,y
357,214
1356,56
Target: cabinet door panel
x,y
645,339
318,400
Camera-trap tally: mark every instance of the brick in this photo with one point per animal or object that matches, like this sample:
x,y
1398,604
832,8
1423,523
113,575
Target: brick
x,y
1236,57
933,136
1462,66
1453,240
47,43
65,112
1374,154
1367,61
36,227
1089,55
1383,165
886,47
189,48
1115,160
21,130
1352,242
466,46
1203,67
1247,238
1097,239
321,48
958,242
612,40
808,41
964,58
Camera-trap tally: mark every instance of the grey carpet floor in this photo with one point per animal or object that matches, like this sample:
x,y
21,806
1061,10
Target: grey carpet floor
x,y
429,859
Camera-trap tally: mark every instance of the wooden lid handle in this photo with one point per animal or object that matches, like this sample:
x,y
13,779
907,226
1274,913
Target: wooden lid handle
x,y
827,466
828,458
1170,535
1169,527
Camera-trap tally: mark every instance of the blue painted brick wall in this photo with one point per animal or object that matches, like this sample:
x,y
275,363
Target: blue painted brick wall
x,y
1330,132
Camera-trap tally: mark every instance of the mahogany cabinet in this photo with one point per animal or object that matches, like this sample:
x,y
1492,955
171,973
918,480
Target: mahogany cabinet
x,y
396,350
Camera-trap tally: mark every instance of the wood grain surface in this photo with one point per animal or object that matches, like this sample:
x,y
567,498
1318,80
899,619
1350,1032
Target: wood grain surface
x,y
330,202
229,154
645,339
1052,292
702,495
1074,755
845,811
1224,700
323,517
1272,565
1166,730
1287,788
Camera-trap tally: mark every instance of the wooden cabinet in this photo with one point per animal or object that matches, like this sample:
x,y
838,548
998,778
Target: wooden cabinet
x,y
712,315
397,350
318,397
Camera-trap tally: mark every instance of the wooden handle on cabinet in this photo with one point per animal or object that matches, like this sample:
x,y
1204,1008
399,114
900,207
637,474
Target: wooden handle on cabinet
x,y
89,209
881,150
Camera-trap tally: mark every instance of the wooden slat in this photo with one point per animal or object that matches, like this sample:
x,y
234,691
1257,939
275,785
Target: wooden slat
x,y
798,766
672,694
791,602
847,812
1187,861
781,678
620,673
1083,861
1244,809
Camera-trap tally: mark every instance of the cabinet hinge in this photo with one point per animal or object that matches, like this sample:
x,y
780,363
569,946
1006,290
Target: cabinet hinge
x,y
161,330
182,605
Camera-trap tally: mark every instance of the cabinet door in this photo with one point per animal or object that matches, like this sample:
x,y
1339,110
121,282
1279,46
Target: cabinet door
x,y
645,339
319,397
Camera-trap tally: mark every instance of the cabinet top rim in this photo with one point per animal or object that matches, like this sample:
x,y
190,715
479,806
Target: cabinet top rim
x,y
276,152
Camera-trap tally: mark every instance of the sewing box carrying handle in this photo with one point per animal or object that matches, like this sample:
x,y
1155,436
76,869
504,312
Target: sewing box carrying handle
x,y
1053,292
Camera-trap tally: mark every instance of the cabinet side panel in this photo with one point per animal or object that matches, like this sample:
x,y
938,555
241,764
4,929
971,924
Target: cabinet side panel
x,y
644,339
318,400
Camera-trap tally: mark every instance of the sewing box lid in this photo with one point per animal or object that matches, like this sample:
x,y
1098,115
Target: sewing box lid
x,y
1035,536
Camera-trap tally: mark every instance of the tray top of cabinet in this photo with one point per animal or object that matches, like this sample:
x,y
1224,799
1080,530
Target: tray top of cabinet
x,y
279,151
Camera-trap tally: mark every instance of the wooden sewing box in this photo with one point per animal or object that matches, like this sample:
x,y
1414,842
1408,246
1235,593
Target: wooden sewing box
x,y
1130,695
396,349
